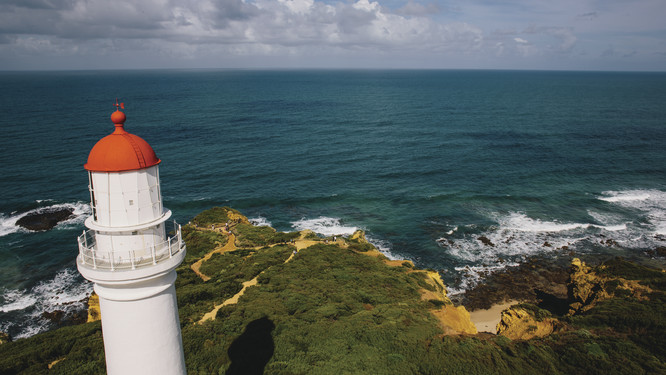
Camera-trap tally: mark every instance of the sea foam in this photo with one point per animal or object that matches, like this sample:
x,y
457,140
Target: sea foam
x,y
326,226
516,236
66,291
260,221
652,203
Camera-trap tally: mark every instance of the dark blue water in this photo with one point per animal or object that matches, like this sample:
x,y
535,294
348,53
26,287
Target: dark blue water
x,y
425,161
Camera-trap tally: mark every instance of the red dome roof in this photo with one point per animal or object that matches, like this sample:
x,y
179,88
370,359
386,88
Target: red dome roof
x,y
120,151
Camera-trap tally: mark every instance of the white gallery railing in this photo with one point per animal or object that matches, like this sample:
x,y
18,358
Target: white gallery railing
x,y
133,258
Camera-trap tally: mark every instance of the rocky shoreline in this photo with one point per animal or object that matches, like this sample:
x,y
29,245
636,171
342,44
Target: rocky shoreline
x,y
335,305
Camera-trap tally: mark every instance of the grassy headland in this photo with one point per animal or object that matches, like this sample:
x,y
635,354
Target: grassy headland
x,y
312,305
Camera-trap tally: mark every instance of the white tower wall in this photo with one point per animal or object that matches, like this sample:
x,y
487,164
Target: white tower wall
x,y
141,327
121,199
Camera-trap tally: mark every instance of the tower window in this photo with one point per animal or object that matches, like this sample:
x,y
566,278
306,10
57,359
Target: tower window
x,y
131,202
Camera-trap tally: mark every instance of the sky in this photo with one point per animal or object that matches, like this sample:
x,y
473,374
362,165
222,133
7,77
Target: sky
x,y
622,35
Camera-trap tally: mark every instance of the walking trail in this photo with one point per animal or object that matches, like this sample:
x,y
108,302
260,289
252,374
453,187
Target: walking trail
x,y
229,246
300,243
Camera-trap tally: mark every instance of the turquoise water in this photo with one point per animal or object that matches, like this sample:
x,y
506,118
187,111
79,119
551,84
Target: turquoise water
x,y
425,161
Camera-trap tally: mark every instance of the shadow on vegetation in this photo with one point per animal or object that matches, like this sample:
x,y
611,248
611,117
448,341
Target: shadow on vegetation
x,y
252,350
550,302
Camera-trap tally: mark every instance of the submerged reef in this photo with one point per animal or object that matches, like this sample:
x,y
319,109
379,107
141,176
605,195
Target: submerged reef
x,y
253,300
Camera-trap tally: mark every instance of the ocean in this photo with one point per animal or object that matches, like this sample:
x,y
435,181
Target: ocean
x,y
465,172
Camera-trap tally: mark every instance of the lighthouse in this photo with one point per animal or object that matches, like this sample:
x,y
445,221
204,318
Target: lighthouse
x,y
130,252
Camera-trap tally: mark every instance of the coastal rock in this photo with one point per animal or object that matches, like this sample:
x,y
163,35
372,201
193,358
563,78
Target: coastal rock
x,y
454,320
45,219
4,338
659,251
358,236
436,290
435,279
586,287
94,313
237,217
486,241
55,316
538,280
518,323
358,242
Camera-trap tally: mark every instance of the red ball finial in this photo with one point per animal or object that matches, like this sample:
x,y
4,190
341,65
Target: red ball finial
x,y
118,117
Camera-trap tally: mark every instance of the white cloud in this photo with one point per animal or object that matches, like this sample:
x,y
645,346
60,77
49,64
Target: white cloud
x,y
202,32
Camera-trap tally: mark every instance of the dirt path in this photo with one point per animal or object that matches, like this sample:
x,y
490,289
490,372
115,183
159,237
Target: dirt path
x,y
211,314
229,246
299,243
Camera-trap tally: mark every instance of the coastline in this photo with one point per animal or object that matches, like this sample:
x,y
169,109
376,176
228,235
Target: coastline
x,y
486,320
301,303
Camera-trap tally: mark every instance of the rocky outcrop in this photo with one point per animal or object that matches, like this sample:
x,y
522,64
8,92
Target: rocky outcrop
x,y
45,219
521,322
237,217
537,280
454,320
4,338
586,287
94,313
358,236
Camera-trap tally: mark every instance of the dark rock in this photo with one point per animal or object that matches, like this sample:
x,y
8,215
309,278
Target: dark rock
x,y
609,242
547,244
61,318
54,316
661,251
45,219
486,241
538,280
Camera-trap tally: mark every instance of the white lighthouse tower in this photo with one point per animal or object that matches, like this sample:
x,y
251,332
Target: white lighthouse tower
x,y
130,251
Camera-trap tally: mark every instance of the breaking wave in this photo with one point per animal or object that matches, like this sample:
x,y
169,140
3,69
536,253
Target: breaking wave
x,y
67,291
651,203
260,222
326,226
633,220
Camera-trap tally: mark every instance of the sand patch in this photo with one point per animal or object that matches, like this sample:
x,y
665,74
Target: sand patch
x,y
486,320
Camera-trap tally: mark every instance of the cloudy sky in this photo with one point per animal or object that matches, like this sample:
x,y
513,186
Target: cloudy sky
x,y
471,34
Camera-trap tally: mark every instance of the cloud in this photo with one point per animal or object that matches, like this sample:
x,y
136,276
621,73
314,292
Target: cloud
x,y
413,8
205,32
588,15
564,35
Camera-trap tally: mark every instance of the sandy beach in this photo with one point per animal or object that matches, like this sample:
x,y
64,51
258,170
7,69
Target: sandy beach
x,y
486,320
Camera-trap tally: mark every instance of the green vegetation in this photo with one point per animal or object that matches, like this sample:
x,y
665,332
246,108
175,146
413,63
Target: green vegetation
x,y
538,313
361,246
250,236
336,310
215,215
242,265
199,242
80,347
618,267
